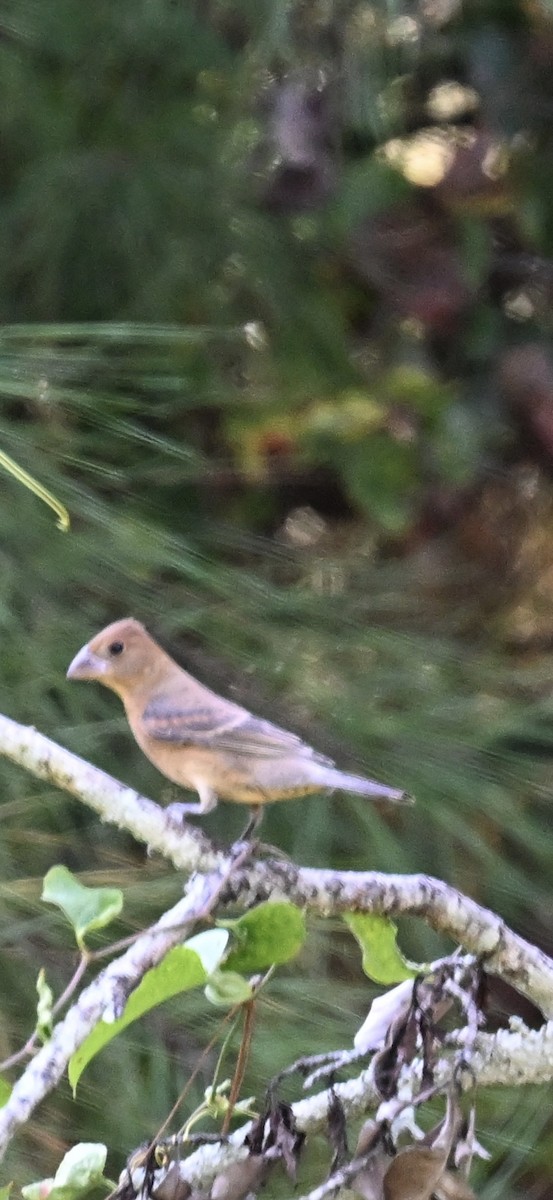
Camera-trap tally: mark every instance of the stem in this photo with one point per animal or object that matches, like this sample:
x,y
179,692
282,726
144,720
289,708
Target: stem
x,y
241,1062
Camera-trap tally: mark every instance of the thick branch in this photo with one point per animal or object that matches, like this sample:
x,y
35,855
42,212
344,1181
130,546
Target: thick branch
x,y
186,847
326,892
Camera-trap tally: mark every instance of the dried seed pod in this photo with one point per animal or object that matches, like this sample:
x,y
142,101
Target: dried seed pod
x,y
173,1186
239,1178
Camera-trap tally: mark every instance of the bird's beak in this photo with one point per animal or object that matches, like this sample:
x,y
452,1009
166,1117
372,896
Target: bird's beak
x,y
87,665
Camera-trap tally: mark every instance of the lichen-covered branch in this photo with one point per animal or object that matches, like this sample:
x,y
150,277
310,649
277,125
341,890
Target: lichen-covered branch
x,y
186,847
522,1056
221,879
325,892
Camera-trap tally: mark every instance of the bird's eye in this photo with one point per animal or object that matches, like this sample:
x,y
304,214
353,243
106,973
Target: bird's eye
x,y
116,648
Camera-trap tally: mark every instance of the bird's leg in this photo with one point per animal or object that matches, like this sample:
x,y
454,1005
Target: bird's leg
x,y
207,802
246,840
256,816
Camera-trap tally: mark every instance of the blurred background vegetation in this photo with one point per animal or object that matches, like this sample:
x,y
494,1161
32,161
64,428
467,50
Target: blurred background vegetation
x,y
275,293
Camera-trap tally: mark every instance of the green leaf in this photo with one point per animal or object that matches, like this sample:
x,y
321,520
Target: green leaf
x,y
183,968
210,947
5,1191
269,934
382,476
28,481
369,186
5,1092
180,970
411,386
86,908
475,245
81,1169
382,958
225,989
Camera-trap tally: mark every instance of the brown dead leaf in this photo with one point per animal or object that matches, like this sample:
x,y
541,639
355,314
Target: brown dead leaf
x,y
400,1047
240,1178
284,1135
369,1134
368,1182
173,1187
442,1136
337,1131
454,1187
414,1174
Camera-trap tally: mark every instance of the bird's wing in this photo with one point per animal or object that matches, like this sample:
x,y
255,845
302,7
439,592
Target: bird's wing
x,y
236,731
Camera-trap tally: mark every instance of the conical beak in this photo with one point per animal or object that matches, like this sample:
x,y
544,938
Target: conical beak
x,y
86,665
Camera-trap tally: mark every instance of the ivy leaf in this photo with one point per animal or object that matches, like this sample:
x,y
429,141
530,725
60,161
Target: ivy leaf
x,y
85,908
382,958
269,934
225,989
81,1169
183,968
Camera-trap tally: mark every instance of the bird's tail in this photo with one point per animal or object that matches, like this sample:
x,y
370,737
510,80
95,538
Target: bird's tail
x,y
364,787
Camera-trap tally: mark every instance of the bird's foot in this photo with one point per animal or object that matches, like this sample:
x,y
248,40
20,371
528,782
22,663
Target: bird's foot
x,y
268,851
246,838
246,844
260,849
244,848
179,812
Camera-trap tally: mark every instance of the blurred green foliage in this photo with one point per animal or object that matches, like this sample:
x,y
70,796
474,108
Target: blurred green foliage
x,y
296,393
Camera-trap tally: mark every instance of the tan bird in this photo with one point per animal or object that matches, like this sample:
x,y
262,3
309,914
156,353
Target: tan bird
x,y
201,741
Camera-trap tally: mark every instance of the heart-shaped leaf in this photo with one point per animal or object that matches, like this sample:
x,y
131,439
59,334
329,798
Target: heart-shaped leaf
x,y
86,908
182,968
269,934
81,1169
225,989
382,958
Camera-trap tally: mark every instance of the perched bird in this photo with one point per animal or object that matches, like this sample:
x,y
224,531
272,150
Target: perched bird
x,y
202,741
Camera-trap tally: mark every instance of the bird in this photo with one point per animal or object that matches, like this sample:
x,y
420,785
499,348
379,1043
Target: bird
x,y
200,740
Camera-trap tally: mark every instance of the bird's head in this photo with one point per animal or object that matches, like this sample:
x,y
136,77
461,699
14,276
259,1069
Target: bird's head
x,y
119,656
